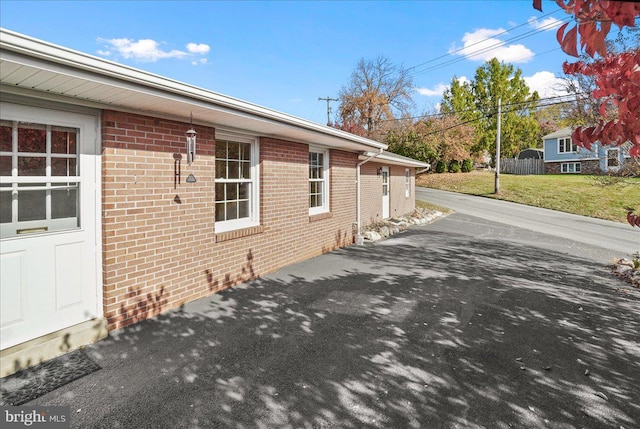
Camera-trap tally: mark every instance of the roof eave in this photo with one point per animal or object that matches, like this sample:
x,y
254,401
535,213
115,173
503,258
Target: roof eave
x,y
87,68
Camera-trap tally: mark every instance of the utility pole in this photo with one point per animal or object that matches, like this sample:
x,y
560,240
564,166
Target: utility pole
x,y
328,100
498,152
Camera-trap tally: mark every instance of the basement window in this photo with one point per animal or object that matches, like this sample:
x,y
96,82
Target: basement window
x,y
571,167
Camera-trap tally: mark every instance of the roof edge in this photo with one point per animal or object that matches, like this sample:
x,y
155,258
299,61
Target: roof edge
x,y
26,45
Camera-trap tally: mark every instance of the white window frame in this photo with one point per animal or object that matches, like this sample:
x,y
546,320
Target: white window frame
x,y
324,207
573,148
407,183
254,198
571,167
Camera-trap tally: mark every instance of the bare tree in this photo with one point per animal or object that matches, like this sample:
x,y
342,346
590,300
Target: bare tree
x,y
378,91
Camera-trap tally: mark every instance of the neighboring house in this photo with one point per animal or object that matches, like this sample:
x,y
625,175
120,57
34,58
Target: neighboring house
x,y
106,220
562,155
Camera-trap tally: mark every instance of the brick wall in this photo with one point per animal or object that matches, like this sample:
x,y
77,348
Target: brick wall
x,y
371,193
400,204
552,168
590,167
159,245
371,199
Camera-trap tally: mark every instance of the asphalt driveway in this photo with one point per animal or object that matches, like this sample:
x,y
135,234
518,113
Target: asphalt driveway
x,y
463,323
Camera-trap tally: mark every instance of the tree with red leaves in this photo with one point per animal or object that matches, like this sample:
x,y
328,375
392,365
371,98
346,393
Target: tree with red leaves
x,y
617,76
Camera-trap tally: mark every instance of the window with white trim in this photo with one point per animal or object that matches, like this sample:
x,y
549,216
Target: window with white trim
x,y
565,145
39,178
571,167
613,158
318,181
236,181
407,183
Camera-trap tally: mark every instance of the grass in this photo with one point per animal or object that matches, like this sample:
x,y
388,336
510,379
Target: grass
x,y
429,206
571,193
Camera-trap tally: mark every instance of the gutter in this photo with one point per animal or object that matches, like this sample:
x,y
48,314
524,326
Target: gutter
x,y
359,238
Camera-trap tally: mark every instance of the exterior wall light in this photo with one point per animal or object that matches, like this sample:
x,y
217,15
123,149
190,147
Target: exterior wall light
x,y
191,142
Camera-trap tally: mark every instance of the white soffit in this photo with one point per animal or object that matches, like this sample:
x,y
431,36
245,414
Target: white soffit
x,y
393,159
38,69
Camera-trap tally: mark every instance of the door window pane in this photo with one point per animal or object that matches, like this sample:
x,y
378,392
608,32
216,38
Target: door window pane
x,y
5,136
64,203
31,166
63,167
5,166
32,205
63,141
32,138
5,204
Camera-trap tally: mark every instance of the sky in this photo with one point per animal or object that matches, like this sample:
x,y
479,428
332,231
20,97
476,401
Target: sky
x,y
284,55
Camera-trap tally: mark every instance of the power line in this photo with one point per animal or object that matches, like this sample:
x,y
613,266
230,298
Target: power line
x,y
487,115
474,109
480,41
483,50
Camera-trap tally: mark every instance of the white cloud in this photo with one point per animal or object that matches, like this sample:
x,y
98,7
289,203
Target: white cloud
x,y
437,90
142,50
482,45
550,23
149,50
198,48
440,88
546,83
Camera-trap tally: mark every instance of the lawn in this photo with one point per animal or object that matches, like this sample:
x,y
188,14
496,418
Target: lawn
x,y
591,196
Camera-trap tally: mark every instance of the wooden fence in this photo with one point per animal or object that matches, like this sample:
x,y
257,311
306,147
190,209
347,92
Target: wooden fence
x,y
521,166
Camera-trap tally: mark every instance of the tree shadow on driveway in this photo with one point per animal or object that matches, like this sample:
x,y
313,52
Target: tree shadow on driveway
x,y
427,329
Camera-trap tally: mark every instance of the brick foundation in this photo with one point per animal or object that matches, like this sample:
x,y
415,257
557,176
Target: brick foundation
x,y
589,166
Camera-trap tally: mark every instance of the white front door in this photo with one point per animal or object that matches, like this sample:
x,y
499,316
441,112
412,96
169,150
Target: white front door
x,y
49,221
385,192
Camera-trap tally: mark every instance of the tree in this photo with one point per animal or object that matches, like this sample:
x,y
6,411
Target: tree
x,y
616,75
453,140
379,91
409,141
476,102
585,110
436,138
551,118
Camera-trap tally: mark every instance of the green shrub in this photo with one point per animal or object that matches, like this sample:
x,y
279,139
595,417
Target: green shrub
x,y
441,167
454,167
467,165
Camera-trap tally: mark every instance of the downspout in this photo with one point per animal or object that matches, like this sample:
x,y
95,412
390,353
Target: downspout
x,y
359,238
